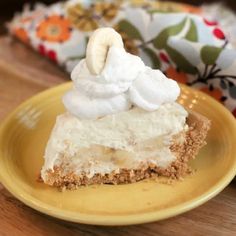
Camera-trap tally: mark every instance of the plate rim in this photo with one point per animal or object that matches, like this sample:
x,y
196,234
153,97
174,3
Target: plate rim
x,y
93,219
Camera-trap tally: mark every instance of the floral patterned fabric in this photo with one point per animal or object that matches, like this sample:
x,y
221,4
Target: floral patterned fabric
x,y
173,37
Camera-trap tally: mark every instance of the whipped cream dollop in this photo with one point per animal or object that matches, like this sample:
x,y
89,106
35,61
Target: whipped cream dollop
x,y
123,82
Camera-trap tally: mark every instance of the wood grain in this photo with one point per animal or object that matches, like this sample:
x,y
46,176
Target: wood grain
x,y
24,73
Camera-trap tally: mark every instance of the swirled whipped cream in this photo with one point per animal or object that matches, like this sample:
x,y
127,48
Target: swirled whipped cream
x,y
123,82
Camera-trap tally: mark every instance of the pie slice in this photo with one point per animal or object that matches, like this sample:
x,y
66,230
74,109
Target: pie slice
x,y
70,160
122,124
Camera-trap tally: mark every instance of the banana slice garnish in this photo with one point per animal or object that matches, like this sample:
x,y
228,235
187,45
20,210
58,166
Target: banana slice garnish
x,y
98,45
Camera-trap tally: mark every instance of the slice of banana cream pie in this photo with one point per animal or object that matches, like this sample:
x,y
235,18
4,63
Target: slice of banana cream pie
x,y
122,124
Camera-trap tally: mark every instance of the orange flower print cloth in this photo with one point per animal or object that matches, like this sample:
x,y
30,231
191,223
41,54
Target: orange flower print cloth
x,y
186,44
55,28
21,34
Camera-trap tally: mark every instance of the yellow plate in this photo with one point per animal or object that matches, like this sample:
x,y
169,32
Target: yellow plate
x,y
23,137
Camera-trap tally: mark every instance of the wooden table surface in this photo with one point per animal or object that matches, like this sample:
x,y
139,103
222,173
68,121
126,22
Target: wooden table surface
x,y
24,73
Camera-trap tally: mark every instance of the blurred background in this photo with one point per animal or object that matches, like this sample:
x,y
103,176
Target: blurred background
x,y
58,35
8,7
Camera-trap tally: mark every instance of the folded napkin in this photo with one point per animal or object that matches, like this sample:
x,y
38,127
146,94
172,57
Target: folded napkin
x,y
175,38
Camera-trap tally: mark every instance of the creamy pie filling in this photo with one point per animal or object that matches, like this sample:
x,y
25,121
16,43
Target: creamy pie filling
x,y
121,140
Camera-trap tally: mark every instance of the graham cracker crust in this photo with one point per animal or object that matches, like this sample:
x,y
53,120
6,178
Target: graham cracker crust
x,y
194,140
